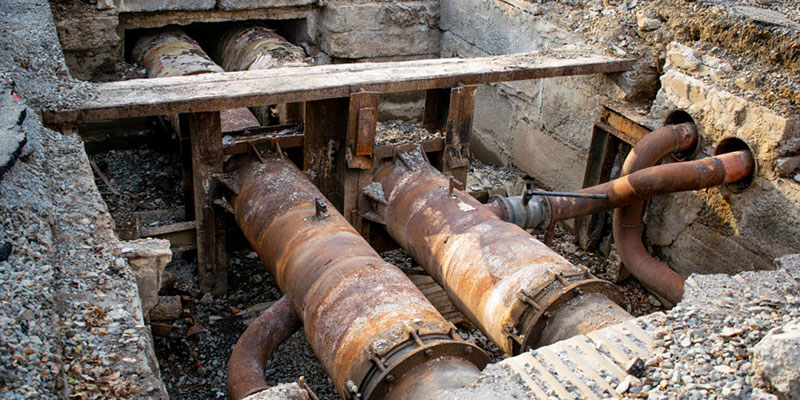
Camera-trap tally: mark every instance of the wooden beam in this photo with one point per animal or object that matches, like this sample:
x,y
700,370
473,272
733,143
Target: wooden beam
x,y
326,134
455,160
219,91
205,137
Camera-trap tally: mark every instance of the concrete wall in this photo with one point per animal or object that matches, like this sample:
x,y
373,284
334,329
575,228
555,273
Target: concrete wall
x,y
542,126
716,229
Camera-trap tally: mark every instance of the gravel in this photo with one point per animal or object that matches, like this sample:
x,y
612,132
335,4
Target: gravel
x,y
400,132
703,345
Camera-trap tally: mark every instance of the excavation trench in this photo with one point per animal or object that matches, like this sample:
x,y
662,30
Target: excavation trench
x,y
374,332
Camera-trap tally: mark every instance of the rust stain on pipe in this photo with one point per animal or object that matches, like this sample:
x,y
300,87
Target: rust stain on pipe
x,y
253,349
504,280
366,321
628,220
653,181
171,52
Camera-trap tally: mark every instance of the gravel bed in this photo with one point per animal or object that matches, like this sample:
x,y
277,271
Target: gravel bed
x,y
704,344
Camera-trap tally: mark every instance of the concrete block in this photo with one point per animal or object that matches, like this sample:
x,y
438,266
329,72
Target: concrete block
x,y
89,32
670,215
547,159
700,249
362,44
376,16
257,4
147,259
164,5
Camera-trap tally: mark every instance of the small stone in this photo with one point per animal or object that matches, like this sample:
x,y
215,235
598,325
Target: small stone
x,y
724,369
636,367
647,24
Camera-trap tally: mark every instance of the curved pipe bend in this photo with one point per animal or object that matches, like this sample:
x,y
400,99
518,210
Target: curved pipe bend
x,y
257,343
628,220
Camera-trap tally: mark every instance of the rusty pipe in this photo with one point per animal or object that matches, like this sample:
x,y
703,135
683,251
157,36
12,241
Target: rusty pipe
x,y
253,349
366,321
505,281
256,47
541,211
628,220
170,52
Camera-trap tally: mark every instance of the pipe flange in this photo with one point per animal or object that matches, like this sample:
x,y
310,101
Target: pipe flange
x,y
533,320
413,352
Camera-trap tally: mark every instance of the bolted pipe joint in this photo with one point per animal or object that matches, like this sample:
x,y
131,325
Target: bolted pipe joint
x,y
368,324
509,285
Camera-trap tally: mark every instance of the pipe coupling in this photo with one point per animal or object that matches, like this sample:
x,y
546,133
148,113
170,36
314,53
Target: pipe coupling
x,y
536,306
527,213
390,367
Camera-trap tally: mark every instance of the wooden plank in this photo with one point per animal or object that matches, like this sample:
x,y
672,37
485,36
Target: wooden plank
x,y
602,155
226,90
205,137
326,133
459,129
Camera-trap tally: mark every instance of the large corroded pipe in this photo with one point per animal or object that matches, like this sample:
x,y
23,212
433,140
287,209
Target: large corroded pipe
x,y
539,212
249,357
366,321
653,274
505,281
256,47
171,52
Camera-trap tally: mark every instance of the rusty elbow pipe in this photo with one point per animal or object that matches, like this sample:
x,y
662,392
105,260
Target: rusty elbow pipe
x,y
628,220
253,349
368,324
505,281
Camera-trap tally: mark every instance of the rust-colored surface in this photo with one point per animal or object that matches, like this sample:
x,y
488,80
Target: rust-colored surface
x,y
254,47
653,181
582,315
253,349
354,305
171,52
492,270
628,220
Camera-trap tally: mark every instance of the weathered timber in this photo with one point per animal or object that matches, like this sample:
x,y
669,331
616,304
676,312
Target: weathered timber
x,y
219,91
459,129
326,132
205,137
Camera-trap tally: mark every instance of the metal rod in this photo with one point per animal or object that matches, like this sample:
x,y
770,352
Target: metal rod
x,y
568,194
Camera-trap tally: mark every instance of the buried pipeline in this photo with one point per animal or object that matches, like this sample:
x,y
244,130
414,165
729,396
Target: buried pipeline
x,y
518,291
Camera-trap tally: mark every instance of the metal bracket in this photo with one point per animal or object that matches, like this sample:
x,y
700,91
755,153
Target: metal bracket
x,y
362,122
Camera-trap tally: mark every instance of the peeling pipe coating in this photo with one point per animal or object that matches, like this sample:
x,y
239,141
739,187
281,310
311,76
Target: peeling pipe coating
x,y
504,280
366,321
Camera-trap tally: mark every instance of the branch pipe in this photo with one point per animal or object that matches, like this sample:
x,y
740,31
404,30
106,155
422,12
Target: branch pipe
x,y
653,274
539,212
369,326
253,349
505,281
171,52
